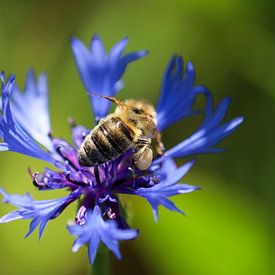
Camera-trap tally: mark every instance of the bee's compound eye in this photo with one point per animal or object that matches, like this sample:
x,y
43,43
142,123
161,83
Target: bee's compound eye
x,y
138,111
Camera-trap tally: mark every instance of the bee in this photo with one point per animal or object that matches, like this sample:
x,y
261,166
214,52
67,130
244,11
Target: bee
x,y
132,125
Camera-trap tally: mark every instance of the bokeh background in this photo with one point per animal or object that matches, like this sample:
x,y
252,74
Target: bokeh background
x,y
229,224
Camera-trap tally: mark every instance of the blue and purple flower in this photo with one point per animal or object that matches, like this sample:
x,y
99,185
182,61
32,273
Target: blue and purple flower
x,y
25,128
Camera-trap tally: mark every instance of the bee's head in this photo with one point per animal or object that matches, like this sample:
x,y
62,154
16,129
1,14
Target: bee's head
x,y
140,107
133,107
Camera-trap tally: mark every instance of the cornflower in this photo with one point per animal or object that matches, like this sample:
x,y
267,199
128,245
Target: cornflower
x,y
25,129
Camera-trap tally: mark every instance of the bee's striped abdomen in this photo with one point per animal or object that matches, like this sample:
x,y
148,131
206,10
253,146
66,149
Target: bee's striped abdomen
x,y
105,142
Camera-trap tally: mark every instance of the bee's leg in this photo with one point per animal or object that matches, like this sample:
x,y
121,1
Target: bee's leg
x,y
159,145
153,133
144,155
133,174
132,171
97,177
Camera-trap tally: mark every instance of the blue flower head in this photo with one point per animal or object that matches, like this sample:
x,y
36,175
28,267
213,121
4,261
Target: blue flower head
x,y
101,72
25,130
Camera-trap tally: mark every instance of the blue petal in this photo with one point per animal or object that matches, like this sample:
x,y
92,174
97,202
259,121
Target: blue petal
x,y
14,137
208,135
179,93
50,180
167,187
95,230
2,76
34,223
39,211
101,73
17,200
92,247
30,108
78,134
98,50
3,146
117,50
66,151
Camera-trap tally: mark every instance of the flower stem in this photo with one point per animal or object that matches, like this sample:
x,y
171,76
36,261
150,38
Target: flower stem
x,y
102,264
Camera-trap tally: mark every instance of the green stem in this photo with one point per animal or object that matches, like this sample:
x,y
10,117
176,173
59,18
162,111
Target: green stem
x,y
102,264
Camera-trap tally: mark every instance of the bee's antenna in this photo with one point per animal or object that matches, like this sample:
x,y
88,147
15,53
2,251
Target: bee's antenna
x,y
115,100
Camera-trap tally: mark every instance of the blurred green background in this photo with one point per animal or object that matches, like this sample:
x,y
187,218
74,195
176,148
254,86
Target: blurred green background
x,y
229,224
